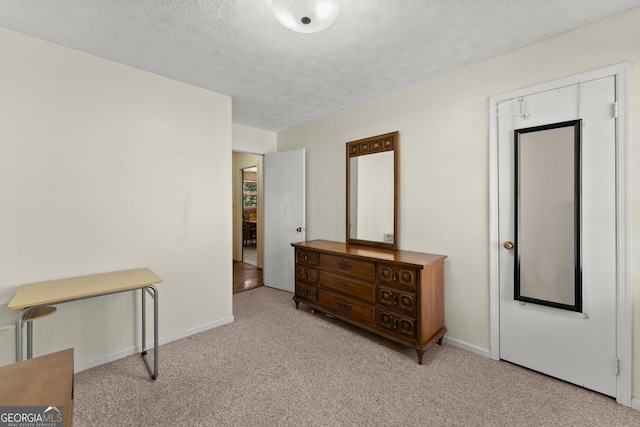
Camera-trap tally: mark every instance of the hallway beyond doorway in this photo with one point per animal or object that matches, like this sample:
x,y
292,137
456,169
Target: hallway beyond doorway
x,y
250,255
245,277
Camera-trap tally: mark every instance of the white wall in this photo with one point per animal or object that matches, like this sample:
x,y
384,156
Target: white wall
x,y
444,158
103,168
252,140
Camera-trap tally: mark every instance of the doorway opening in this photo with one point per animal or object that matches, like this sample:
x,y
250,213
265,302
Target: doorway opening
x,y
250,215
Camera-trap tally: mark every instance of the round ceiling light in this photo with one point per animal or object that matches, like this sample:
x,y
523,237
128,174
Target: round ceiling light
x,y
305,16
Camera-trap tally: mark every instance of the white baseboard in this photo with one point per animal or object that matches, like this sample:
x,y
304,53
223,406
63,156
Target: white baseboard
x,y
635,404
466,346
137,349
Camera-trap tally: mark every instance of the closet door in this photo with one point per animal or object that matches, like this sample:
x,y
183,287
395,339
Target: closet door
x,y
558,233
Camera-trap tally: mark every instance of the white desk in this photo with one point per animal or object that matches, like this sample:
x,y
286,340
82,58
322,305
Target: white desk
x,y
30,297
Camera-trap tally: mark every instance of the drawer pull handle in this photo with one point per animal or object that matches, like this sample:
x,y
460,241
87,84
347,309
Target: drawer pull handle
x,y
395,299
395,276
344,265
395,323
344,305
345,284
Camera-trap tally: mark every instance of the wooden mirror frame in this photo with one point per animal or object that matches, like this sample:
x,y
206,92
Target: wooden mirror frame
x,y
363,147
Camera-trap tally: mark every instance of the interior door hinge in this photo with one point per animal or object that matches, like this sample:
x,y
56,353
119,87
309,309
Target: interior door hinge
x,y
616,366
615,110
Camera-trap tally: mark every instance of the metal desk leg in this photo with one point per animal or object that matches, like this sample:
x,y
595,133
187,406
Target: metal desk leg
x,y
19,324
29,340
28,316
153,292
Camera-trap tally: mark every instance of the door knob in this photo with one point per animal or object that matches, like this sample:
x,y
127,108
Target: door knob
x,y
508,245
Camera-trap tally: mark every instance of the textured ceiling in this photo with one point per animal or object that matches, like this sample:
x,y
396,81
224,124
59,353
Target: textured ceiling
x,y
278,78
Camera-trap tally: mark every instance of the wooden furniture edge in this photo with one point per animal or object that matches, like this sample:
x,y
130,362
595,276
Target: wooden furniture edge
x,y
436,257
32,382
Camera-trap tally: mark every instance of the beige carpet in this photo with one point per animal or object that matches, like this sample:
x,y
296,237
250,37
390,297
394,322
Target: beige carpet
x,y
277,366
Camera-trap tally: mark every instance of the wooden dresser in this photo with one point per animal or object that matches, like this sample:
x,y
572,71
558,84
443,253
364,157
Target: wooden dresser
x,y
396,294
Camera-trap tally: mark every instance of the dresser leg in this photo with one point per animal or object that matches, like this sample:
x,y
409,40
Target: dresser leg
x,y
420,353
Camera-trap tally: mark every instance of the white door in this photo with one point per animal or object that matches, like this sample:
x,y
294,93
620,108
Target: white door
x,y
284,224
579,345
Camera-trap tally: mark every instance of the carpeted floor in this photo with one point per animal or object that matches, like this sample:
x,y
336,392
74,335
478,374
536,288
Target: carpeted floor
x,y
278,366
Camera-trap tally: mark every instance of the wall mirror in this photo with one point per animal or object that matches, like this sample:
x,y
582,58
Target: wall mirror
x,y
547,232
372,191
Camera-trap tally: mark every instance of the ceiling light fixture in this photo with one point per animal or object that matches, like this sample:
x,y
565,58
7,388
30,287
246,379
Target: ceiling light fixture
x,y
305,16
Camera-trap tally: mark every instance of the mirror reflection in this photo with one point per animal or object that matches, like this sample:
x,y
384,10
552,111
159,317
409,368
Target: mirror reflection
x,y
371,191
548,215
372,197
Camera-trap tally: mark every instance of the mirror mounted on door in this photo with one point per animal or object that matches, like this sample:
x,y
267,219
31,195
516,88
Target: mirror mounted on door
x,y
372,191
548,268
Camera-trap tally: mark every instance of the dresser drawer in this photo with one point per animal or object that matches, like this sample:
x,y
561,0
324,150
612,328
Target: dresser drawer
x,y
305,274
346,285
307,292
353,267
306,257
346,306
398,324
394,275
396,299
